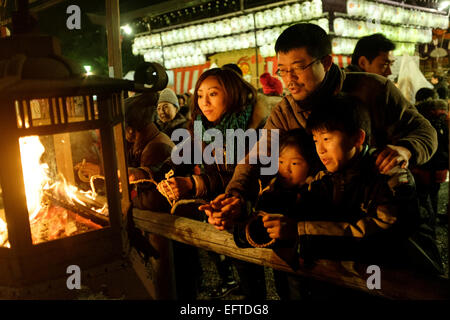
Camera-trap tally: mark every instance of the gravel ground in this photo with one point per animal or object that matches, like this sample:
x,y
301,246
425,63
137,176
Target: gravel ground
x,y
211,278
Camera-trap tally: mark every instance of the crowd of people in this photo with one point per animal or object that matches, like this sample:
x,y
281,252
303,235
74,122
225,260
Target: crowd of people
x,y
359,166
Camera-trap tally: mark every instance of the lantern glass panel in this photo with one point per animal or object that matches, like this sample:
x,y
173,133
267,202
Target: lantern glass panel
x,y
3,229
64,183
55,111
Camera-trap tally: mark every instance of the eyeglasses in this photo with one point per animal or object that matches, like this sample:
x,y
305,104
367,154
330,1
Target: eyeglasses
x,y
297,70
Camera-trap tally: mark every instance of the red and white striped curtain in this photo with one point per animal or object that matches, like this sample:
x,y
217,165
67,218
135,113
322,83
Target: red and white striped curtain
x,y
184,79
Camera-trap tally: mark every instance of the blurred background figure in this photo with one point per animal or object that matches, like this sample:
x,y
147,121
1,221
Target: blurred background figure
x,y
433,173
234,67
184,106
440,85
272,89
169,117
410,78
147,149
373,54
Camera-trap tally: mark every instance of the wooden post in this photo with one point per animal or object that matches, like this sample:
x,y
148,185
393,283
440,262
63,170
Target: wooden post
x,y
113,38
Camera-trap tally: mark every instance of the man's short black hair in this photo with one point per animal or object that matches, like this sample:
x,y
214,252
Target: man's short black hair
x,y
342,113
426,93
371,46
304,35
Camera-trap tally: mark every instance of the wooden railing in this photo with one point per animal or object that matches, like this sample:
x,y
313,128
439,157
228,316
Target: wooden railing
x,y
395,284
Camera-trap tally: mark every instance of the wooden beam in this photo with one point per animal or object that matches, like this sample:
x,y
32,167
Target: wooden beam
x,y
113,37
395,284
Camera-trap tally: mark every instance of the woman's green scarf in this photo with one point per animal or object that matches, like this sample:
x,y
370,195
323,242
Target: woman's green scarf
x,y
235,120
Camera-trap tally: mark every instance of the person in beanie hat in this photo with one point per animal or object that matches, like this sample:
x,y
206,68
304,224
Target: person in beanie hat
x,y
169,118
272,89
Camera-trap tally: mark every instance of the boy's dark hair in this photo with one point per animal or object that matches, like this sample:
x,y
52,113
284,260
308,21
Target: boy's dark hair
x,y
342,113
304,35
140,110
426,93
303,141
371,46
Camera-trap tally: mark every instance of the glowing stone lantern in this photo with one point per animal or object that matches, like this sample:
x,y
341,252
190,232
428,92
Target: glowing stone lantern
x,y
63,175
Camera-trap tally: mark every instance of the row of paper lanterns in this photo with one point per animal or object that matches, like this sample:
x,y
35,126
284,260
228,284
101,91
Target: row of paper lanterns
x,y
359,28
265,39
267,18
346,46
396,15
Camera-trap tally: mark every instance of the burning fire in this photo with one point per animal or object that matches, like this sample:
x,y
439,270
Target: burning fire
x,y
53,220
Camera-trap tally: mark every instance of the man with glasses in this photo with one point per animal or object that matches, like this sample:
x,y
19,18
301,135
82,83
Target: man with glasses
x,y
400,133
373,54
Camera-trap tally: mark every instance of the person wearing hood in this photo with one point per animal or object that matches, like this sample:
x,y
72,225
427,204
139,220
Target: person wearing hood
x,y
169,117
147,149
399,132
433,173
441,85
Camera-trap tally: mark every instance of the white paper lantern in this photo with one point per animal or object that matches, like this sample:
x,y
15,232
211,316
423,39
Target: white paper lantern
x,y
268,18
324,24
361,29
260,21
277,16
336,45
264,51
297,12
339,26
356,8
251,40
286,14
260,38
388,13
227,26
242,23
235,24
306,10
146,42
136,43
316,8
397,15
250,21
243,39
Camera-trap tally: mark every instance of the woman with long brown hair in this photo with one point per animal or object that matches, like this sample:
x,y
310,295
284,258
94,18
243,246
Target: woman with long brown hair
x,y
222,100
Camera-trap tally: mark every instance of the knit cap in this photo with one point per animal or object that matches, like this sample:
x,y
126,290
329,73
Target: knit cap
x,y
271,85
167,95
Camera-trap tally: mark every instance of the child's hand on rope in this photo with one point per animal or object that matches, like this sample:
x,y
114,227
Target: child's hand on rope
x,y
279,226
